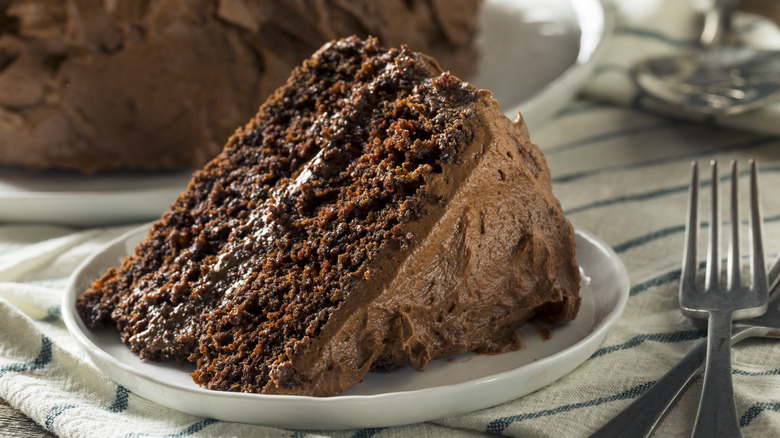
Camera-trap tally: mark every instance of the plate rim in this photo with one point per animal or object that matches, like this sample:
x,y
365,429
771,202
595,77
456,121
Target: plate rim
x,y
583,348
565,86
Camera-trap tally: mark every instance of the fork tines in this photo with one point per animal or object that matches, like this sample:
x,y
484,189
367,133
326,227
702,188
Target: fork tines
x,y
758,284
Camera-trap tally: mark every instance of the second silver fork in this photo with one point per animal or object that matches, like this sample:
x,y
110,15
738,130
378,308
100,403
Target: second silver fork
x,y
717,414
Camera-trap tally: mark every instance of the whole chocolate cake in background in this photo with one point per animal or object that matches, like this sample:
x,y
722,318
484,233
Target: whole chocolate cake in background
x,y
377,212
95,85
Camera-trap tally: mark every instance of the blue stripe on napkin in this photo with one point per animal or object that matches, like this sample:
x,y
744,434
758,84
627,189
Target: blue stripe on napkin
x,y
499,425
756,409
43,359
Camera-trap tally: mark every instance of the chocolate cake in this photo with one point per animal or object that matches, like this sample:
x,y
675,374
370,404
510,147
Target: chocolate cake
x,y
91,85
377,212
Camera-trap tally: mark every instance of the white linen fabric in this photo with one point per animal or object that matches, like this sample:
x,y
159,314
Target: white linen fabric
x,y
621,174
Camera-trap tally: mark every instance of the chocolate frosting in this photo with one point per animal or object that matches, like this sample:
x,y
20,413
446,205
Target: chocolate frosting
x,y
497,253
90,85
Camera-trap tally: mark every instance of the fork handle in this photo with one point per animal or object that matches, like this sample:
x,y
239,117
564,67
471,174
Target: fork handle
x,y
717,414
642,416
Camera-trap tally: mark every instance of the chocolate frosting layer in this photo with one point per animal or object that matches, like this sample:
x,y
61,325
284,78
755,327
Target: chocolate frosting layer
x,y
497,253
93,85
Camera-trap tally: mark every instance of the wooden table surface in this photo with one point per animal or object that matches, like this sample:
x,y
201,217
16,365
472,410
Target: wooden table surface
x,y
15,424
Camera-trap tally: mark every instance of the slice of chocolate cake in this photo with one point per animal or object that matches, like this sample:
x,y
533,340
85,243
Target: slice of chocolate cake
x,y
376,213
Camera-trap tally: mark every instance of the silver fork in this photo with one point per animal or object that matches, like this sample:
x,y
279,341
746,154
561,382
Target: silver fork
x,y
717,415
644,414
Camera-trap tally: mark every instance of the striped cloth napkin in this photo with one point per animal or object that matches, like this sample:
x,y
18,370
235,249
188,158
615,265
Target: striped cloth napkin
x,y
621,174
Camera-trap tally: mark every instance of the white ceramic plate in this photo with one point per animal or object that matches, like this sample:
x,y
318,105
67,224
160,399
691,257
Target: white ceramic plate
x,y
71,199
535,55
447,386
